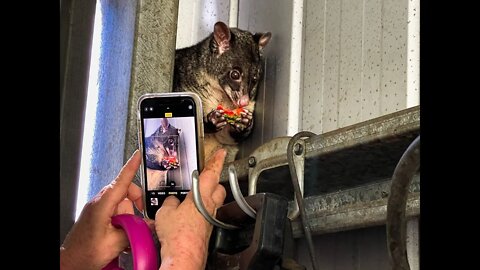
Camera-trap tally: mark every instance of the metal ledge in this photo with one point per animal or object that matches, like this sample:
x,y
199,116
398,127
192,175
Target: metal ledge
x,y
347,157
353,208
347,172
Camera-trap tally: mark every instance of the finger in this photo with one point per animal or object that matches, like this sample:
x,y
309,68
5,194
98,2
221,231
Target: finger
x,y
221,124
218,196
150,223
169,204
134,194
210,175
238,127
119,187
99,195
124,207
119,237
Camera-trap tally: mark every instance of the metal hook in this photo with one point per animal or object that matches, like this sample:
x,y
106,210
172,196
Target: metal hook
x,y
197,199
297,159
406,168
294,148
237,193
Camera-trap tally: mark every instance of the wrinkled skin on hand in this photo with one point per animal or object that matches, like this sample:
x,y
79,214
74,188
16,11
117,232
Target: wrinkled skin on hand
x,y
183,232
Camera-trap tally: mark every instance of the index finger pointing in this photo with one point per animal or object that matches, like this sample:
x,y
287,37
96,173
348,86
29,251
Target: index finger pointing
x,y
119,187
210,176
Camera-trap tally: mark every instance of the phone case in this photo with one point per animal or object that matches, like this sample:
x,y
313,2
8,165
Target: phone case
x,y
199,135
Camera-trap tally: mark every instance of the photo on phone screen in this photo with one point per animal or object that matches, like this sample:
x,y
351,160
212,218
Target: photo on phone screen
x,y
170,148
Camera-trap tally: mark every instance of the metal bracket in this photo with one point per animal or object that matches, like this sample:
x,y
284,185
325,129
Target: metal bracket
x,y
260,241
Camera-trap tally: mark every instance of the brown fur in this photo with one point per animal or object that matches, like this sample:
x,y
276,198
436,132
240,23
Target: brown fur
x,y
225,68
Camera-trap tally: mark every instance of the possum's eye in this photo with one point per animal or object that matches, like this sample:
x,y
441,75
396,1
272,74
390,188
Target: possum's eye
x,y
235,74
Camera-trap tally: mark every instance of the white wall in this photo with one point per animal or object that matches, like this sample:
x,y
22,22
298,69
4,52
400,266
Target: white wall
x,y
357,57
196,19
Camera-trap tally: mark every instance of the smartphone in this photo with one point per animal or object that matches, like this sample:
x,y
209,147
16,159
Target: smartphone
x,y
170,136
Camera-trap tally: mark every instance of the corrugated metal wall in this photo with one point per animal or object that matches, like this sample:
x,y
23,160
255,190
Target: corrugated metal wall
x,y
361,249
356,61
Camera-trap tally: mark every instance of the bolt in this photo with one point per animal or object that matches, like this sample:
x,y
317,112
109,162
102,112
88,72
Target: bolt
x,y
252,161
298,149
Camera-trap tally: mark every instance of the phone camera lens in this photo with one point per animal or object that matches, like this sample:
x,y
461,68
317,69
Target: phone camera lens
x,y
190,107
146,109
151,108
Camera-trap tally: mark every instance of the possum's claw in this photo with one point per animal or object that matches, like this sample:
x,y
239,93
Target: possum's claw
x,y
244,122
216,119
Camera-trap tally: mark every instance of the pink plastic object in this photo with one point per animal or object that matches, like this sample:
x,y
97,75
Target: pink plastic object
x,y
142,246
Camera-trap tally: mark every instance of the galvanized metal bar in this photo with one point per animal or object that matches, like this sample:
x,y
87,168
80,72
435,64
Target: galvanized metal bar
x,y
401,125
358,207
384,128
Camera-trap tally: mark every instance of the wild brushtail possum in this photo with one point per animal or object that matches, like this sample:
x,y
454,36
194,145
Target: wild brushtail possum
x,y
223,69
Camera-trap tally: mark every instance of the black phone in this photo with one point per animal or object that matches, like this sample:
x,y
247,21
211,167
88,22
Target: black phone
x,y
170,136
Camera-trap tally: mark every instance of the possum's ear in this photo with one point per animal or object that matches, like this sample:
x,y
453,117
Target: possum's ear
x,y
221,33
262,39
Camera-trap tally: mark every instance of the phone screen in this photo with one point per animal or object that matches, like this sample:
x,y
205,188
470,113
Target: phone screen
x,y
169,140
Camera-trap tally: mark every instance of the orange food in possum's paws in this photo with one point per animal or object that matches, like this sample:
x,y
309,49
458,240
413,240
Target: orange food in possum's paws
x,y
231,115
170,162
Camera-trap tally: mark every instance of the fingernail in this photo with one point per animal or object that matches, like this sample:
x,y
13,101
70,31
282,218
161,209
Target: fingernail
x,y
221,151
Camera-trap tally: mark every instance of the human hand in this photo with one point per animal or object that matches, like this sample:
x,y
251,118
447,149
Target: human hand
x,y
183,232
93,241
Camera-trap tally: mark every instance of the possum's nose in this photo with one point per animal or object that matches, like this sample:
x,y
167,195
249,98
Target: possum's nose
x,y
243,101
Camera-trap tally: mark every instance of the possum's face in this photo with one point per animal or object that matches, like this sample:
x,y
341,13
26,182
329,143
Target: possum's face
x,y
154,152
158,148
170,145
240,80
238,64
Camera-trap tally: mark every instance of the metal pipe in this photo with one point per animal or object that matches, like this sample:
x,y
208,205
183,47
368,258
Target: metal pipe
x,y
397,202
237,193
197,199
261,166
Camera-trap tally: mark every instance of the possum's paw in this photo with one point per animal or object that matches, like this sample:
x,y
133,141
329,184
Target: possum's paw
x,y
244,122
216,120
